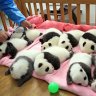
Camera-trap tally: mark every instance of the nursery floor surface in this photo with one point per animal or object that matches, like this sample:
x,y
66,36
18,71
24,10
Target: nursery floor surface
x,y
33,87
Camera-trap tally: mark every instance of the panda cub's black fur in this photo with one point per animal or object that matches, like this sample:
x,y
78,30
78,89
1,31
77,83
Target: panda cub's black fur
x,y
90,37
72,40
48,36
52,59
10,50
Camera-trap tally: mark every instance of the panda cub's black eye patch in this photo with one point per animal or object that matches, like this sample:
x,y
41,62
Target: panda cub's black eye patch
x,y
81,70
63,42
84,44
67,47
85,78
47,69
40,64
0,50
49,44
92,47
44,48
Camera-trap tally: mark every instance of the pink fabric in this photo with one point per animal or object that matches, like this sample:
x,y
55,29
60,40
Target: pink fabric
x,y
64,26
58,76
37,20
49,24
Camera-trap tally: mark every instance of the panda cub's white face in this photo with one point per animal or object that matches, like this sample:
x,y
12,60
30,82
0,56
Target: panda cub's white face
x,y
64,42
87,46
78,75
52,42
42,66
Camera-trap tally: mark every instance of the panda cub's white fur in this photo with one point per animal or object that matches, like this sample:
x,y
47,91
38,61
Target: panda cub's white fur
x,y
50,43
87,42
32,34
18,32
29,53
19,44
76,33
79,71
70,39
81,57
20,68
60,52
53,29
64,42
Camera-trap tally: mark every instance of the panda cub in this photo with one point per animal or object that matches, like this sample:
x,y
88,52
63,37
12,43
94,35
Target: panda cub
x,y
50,38
18,32
28,34
50,60
12,46
70,39
22,66
79,71
87,42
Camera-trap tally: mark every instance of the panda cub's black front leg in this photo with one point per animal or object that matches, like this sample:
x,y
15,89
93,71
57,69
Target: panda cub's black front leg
x,y
7,72
23,79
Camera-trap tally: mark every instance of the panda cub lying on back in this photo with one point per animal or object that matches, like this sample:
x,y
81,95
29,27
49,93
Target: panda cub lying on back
x,y
70,39
50,59
79,71
23,65
50,38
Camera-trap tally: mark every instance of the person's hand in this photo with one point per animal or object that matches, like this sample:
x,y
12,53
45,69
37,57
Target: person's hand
x,y
3,36
27,24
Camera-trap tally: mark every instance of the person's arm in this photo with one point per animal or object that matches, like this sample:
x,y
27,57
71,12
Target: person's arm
x,y
11,10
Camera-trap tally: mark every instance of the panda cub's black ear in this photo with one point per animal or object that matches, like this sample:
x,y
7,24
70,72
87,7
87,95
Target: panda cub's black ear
x,y
41,40
40,34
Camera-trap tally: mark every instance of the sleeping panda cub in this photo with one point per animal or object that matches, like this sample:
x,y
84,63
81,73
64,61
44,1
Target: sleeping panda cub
x,y
87,42
50,38
18,32
22,67
79,71
28,34
50,60
12,46
70,39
